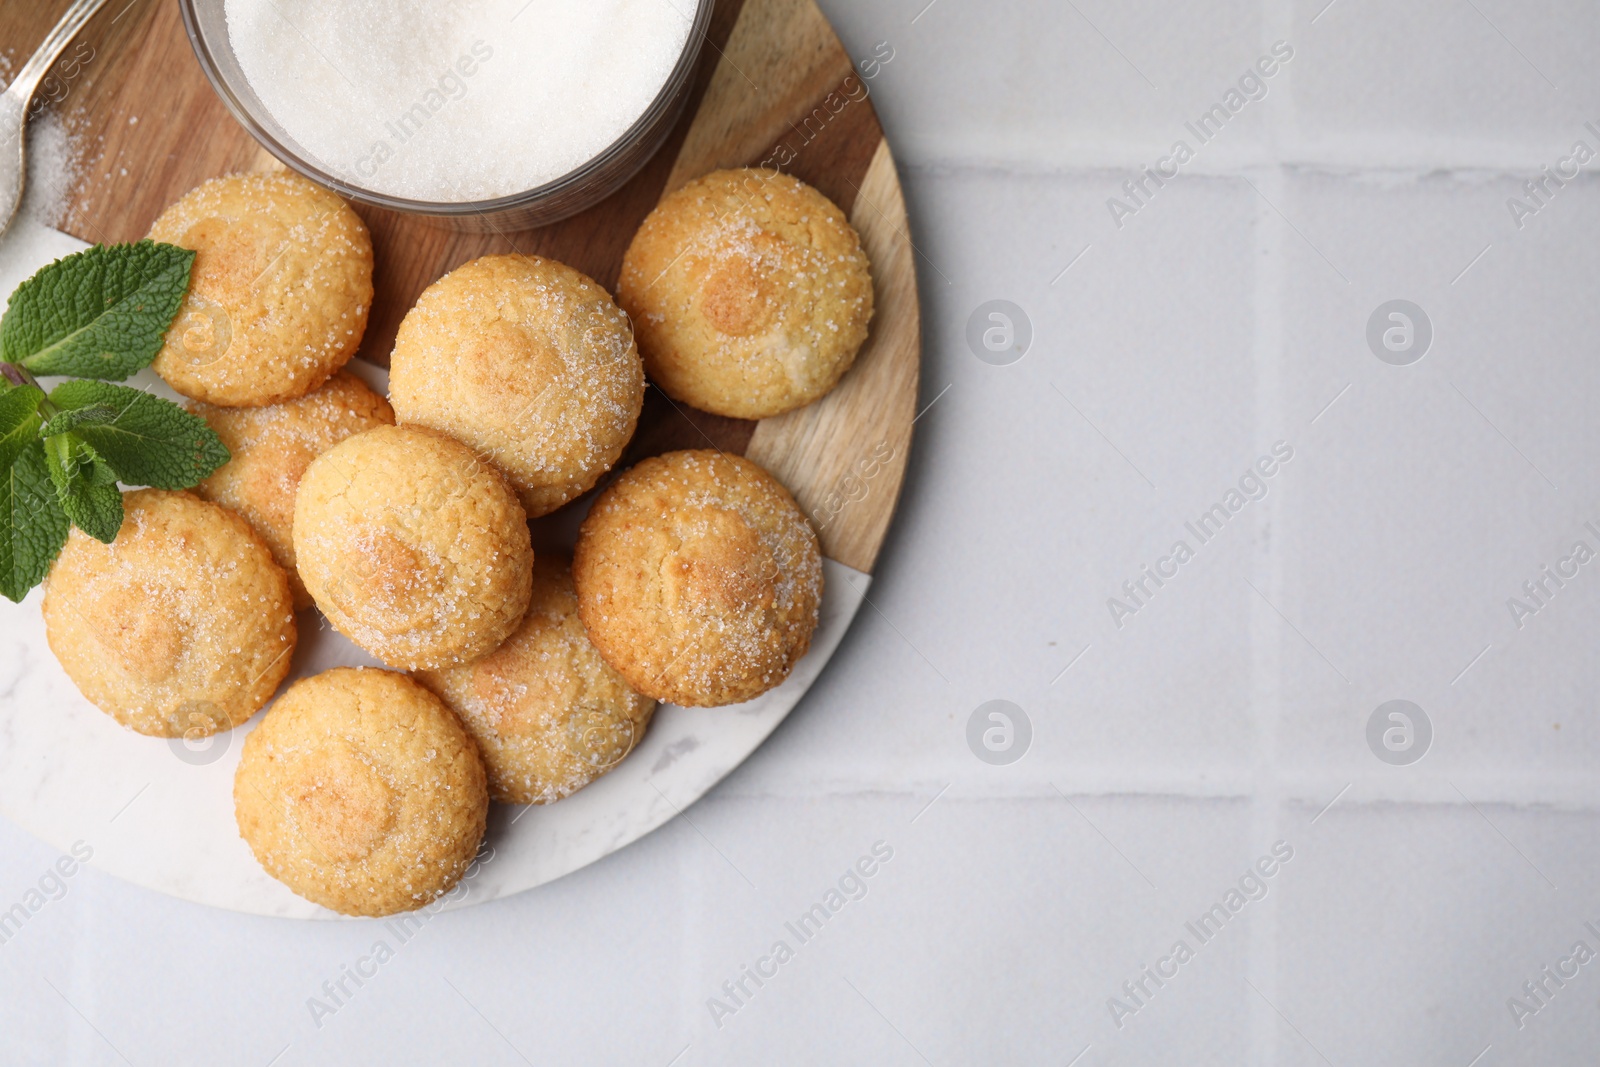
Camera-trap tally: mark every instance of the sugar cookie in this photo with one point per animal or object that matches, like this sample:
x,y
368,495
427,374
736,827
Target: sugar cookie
x,y
183,626
698,578
361,792
413,547
549,715
529,362
749,291
279,291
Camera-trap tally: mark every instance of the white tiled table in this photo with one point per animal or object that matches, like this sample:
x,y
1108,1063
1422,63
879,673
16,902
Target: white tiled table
x,y
1225,716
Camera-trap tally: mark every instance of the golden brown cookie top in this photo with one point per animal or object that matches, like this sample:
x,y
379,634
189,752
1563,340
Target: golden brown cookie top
x,y
272,447
279,292
698,578
549,715
528,361
361,792
749,292
413,547
182,626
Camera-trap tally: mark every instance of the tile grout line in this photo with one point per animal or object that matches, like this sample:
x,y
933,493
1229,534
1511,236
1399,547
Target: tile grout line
x,y
1576,794
1225,164
1261,960
1266,635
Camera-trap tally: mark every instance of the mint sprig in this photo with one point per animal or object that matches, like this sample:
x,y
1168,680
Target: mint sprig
x,y
98,314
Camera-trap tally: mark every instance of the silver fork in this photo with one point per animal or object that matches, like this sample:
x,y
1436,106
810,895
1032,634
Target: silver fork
x,y
19,94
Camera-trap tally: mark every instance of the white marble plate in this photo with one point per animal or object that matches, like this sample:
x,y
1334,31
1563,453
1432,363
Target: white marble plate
x,y
160,814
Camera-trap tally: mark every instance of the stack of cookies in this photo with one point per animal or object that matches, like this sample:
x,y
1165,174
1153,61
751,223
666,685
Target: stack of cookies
x,y
516,385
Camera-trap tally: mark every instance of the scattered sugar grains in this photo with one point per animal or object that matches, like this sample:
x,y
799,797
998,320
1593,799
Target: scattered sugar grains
x,y
55,161
462,101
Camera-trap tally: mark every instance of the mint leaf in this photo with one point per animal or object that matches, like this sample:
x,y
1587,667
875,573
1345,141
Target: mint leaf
x,y
19,421
94,509
93,505
101,473
32,525
148,441
99,313
67,421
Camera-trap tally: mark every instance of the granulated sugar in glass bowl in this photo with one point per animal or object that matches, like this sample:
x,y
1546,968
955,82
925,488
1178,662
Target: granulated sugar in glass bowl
x,y
486,113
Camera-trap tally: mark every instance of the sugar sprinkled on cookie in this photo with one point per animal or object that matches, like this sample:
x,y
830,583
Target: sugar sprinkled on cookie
x,y
271,448
549,715
528,361
413,547
279,293
749,291
183,626
698,578
361,792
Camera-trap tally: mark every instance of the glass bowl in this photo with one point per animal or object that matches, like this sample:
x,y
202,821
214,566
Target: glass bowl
x,y
567,195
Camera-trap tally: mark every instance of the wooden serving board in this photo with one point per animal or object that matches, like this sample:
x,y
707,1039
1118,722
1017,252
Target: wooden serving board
x,y
773,84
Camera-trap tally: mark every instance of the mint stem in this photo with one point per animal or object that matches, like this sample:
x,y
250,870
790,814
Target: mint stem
x,y
18,375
